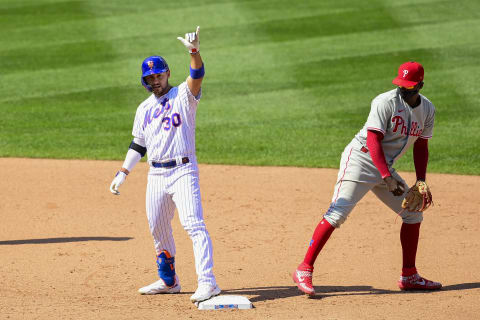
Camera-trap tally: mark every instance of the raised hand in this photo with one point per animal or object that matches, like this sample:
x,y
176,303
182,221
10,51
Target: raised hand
x,y
191,41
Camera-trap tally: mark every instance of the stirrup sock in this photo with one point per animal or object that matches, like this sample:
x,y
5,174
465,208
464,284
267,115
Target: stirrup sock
x,y
166,267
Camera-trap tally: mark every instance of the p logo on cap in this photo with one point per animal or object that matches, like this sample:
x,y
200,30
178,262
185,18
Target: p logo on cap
x,y
409,74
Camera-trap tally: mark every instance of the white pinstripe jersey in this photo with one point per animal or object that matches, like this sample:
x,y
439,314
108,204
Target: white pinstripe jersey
x,y
167,124
400,124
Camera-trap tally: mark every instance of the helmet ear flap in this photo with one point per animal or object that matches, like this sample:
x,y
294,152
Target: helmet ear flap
x,y
148,87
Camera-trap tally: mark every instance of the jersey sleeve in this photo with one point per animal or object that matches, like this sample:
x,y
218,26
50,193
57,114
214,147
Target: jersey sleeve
x,y
380,115
137,130
186,95
427,132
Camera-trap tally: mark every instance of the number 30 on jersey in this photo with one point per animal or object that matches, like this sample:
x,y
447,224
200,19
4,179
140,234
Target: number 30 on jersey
x,y
174,121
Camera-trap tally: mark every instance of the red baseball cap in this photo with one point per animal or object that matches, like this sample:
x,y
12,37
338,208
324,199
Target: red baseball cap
x,y
409,74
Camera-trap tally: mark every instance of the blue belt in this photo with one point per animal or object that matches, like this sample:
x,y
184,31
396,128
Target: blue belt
x,y
170,164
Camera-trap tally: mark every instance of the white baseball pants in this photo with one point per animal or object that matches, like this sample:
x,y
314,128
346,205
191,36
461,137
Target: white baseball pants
x,y
179,187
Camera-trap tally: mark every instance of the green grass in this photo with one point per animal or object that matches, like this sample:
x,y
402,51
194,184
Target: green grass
x,y
286,83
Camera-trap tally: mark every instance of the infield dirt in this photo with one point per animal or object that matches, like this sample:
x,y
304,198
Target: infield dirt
x,y
71,250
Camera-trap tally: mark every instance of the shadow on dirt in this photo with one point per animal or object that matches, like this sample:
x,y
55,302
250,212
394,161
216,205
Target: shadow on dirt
x,y
62,240
272,293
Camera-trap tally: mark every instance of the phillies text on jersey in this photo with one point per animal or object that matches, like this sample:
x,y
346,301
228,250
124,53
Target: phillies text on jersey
x,y
400,124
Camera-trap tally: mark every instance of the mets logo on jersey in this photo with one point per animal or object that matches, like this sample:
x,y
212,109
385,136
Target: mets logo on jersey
x,y
150,64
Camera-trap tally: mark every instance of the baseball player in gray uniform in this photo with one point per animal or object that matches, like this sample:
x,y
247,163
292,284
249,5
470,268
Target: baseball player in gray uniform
x,y
398,119
164,128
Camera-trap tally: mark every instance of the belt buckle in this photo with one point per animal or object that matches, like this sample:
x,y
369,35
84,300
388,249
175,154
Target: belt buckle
x,y
171,163
178,161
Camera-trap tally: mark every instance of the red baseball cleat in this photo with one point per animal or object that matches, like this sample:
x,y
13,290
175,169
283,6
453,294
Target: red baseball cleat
x,y
302,276
416,282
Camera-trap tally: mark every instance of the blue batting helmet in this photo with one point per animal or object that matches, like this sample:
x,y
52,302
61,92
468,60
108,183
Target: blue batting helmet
x,y
153,65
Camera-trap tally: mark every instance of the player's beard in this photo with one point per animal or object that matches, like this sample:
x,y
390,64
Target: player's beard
x,y
160,91
407,94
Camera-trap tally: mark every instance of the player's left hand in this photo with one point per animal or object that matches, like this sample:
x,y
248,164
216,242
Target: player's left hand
x,y
117,182
418,197
191,41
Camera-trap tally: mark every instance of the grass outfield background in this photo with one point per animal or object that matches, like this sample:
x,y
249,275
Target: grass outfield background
x,y
287,83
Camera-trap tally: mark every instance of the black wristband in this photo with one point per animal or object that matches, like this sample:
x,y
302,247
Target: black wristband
x,y
138,148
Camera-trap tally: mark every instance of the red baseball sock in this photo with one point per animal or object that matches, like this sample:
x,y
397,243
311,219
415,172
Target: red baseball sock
x,y
409,234
322,232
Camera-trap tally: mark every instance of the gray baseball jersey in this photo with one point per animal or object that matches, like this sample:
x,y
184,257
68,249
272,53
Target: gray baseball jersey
x,y
401,126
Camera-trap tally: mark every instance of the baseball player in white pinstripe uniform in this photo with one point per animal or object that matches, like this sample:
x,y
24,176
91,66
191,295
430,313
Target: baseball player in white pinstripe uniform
x,y
164,128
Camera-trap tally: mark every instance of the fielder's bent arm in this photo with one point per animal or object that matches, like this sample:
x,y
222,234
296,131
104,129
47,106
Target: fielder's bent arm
x,y
420,158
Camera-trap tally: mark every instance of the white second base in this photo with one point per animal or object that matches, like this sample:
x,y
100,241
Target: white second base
x,y
225,302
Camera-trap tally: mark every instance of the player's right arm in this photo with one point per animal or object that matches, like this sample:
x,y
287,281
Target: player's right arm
x,y
135,152
377,126
374,145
